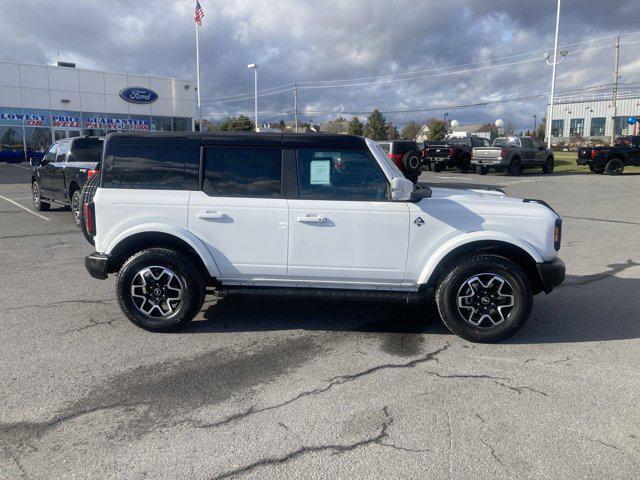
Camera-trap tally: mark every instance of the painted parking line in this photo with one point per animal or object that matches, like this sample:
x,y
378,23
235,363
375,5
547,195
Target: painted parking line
x,y
25,208
454,178
19,166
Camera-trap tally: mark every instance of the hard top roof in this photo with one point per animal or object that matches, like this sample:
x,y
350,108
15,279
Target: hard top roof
x,y
314,140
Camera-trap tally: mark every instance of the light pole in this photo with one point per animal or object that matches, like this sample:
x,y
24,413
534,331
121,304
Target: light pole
x,y
499,123
254,67
555,63
444,119
535,124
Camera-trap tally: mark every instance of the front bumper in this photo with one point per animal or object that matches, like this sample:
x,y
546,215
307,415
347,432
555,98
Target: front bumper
x,y
97,264
551,274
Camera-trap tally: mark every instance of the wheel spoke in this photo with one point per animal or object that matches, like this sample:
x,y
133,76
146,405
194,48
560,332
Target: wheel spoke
x,y
156,291
485,300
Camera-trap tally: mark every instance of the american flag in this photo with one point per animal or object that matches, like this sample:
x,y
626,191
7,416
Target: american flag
x,y
199,13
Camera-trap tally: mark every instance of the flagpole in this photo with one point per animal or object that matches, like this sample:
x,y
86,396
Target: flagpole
x,y
198,73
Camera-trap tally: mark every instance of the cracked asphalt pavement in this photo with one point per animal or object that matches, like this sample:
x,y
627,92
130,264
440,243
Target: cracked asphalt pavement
x,y
267,388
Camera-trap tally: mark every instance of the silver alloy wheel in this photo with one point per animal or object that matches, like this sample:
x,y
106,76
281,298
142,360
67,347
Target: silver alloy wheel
x,y
157,292
485,300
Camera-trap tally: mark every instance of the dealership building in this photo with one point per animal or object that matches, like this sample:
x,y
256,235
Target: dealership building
x,y
43,103
592,116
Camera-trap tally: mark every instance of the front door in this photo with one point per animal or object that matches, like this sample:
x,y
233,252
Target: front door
x,y
344,231
241,214
55,172
528,151
44,171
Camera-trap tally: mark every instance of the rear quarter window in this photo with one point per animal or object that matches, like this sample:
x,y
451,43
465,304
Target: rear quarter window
x,y
154,163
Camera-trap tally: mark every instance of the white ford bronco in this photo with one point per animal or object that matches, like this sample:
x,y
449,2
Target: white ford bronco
x,y
308,214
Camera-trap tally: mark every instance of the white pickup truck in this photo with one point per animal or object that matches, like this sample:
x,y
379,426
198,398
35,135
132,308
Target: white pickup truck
x,y
317,215
513,155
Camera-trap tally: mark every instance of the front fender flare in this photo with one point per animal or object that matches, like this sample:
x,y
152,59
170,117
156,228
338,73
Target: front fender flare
x,y
178,232
450,245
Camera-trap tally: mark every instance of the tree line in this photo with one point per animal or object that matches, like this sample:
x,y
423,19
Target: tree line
x,y
376,127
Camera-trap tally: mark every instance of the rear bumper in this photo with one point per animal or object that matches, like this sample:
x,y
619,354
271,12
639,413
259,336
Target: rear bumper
x,y
592,162
551,274
97,264
488,162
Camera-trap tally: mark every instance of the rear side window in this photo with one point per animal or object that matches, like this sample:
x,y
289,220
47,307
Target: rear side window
x,y
146,163
242,172
86,150
339,175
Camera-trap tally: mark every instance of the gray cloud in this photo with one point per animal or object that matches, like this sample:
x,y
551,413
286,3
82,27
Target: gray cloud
x,y
306,41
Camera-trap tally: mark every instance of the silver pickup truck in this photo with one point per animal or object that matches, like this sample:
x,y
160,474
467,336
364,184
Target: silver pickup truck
x,y
512,154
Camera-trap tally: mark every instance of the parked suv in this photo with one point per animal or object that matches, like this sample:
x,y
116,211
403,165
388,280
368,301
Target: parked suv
x,y
513,154
309,215
406,155
58,177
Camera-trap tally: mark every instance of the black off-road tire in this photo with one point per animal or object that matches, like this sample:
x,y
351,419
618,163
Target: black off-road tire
x,y
548,166
615,166
451,285
76,207
596,169
515,167
438,167
38,204
480,170
86,196
465,164
185,269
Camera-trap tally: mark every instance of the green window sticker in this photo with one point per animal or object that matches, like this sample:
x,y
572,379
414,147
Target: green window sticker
x,y
320,172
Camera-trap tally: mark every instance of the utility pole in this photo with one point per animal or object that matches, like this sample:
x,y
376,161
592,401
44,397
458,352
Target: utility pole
x,y
614,93
535,124
295,106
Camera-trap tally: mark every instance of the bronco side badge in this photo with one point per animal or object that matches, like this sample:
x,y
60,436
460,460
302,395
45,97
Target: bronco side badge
x,y
419,221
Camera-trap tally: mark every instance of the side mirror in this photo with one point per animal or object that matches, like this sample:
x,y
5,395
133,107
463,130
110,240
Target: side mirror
x,y
401,189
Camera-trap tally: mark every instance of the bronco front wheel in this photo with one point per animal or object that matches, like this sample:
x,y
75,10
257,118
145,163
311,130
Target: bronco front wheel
x,y
484,298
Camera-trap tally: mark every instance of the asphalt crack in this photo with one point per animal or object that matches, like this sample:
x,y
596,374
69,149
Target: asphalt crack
x,y
92,323
519,390
102,301
608,220
493,452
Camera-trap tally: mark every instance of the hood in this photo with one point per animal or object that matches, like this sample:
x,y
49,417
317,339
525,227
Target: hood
x,y
474,195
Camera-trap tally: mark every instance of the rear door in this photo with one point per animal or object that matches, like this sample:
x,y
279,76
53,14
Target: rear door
x,y
344,230
240,212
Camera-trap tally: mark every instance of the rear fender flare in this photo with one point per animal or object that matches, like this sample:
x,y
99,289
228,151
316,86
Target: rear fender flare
x,y
181,233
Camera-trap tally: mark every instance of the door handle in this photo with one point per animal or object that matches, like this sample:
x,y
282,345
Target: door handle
x,y
211,215
312,219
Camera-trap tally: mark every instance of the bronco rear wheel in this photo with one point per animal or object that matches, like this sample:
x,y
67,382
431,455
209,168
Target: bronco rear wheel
x,y
484,298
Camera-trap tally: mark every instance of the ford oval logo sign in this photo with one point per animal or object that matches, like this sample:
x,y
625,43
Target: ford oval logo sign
x,y
138,95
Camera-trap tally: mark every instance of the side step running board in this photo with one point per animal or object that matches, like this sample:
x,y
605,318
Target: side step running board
x,y
337,293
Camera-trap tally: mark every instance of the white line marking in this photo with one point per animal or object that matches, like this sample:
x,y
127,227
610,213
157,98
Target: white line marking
x,y
25,208
455,178
20,166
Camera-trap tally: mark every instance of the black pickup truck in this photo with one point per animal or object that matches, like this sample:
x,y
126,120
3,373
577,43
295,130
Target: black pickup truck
x,y
454,152
611,160
59,176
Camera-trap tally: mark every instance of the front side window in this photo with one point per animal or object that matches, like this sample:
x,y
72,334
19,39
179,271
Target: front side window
x,y
242,171
62,151
51,154
576,127
146,163
339,175
527,143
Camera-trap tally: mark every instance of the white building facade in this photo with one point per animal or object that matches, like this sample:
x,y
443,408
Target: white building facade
x,y
43,103
592,117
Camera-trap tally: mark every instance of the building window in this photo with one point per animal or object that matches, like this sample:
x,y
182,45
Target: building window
x,y
557,128
37,140
11,144
621,126
576,127
161,124
597,126
181,124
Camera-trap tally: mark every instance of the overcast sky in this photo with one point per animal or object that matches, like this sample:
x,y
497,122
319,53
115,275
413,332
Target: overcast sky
x,y
317,41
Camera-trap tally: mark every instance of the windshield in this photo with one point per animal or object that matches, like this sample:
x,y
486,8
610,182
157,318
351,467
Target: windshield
x,y
87,150
390,168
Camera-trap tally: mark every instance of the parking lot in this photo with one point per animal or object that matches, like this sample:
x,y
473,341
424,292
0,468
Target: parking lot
x,y
266,388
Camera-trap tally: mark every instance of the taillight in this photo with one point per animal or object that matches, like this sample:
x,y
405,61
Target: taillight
x,y
503,153
91,173
593,153
397,159
452,151
89,218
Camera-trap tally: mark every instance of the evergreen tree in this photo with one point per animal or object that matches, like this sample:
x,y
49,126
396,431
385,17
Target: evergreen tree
x,y
355,127
437,130
392,132
376,126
